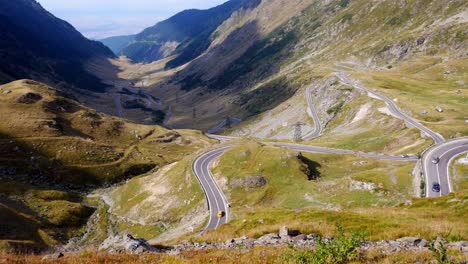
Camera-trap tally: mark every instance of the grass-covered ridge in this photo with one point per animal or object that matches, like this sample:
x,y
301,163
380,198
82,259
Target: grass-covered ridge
x,y
312,180
54,150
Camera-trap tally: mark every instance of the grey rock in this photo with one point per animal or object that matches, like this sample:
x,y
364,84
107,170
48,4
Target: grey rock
x,y
299,237
284,231
422,243
414,241
460,245
126,243
268,239
7,92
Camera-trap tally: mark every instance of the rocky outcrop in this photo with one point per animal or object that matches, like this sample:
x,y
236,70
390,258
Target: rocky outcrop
x,y
126,244
286,237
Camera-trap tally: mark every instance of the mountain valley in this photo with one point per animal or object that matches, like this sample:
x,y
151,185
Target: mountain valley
x,y
330,117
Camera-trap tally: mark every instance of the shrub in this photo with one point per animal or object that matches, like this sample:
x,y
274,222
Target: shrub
x,y
335,109
340,249
344,3
440,253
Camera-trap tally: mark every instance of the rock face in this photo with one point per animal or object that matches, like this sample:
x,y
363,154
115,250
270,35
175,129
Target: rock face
x,y
250,182
126,243
28,98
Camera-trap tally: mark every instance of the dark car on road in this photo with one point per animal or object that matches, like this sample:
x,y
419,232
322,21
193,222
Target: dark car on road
x,y
436,187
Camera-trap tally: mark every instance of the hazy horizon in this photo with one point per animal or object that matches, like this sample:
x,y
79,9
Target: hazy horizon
x,y
108,18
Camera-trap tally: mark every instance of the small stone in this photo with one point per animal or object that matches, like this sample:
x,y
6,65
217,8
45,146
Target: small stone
x,y
7,92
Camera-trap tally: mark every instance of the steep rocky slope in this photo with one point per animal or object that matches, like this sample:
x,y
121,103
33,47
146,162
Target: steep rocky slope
x,y
186,34
37,45
278,47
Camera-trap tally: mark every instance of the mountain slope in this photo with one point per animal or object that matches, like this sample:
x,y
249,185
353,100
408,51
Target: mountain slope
x,y
37,45
255,49
54,151
116,44
187,34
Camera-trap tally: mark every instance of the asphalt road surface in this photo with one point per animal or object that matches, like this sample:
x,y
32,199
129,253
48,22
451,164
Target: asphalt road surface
x,y
393,108
444,151
313,113
438,172
215,197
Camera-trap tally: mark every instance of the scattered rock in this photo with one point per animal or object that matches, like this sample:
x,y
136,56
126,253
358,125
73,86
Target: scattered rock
x,y
461,245
28,98
126,243
268,239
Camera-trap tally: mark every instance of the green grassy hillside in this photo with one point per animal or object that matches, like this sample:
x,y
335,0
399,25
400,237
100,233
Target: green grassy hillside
x,y
54,150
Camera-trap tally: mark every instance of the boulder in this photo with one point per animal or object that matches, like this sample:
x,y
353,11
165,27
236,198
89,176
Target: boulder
x,y
7,92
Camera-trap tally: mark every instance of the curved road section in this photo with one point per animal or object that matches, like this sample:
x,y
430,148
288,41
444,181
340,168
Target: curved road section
x,y
214,196
313,113
393,108
436,165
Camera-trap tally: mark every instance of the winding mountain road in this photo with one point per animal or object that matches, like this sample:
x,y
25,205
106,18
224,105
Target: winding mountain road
x,y
440,172
214,196
443,151
313,113
393,108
